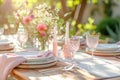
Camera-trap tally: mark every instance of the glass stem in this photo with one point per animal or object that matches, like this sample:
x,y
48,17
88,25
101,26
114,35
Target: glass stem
x,y
92,53
72,63
21,45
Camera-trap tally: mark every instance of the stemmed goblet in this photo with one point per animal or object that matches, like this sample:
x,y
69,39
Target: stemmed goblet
x,y
92,41
22,38
72,46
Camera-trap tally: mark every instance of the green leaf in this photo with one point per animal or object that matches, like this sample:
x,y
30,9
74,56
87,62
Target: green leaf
x,y
118,31
91,21
69,3
72,31
73,23
94,1
79,26
58,4
111,33
1,1
106,1
76,2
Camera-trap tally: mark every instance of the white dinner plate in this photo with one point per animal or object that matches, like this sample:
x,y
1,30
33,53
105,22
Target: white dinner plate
x,y
104,53
32,57
37,66
107,47
4,42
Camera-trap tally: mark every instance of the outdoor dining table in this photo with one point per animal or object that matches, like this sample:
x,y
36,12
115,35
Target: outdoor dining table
x,y
57,72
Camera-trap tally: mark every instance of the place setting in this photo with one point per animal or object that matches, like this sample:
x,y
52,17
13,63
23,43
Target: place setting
x,y
106,50
92,64
37,59
100,49
6,46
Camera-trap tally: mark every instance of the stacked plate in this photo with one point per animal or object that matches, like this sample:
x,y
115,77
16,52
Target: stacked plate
x,y
37,59
107,50
6,45
107,47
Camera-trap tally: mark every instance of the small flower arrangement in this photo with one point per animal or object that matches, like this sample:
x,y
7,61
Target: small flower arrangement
x,y
38,21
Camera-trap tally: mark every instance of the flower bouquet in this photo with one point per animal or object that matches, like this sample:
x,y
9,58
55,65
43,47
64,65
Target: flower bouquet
x,y
39,22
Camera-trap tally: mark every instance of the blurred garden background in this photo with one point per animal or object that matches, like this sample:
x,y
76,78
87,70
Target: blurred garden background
x,y
98,16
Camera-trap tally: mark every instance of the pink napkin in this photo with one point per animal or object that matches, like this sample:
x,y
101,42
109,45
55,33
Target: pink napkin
x,y
8,63
45,54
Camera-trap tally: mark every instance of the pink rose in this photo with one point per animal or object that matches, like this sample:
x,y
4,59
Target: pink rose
x,y
27,20
41,27
42,33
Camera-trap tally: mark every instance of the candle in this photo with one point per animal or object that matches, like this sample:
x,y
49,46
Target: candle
x,y
66,51
55,50
67,32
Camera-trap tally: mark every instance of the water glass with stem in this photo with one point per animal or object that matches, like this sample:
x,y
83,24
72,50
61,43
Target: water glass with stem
x,y
92,41
22,38
72,46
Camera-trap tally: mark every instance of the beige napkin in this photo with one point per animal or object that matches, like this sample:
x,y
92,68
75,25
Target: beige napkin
x,y
8,63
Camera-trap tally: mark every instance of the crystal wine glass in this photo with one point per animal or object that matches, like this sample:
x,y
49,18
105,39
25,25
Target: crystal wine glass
x,y
73,46
22,38
92,42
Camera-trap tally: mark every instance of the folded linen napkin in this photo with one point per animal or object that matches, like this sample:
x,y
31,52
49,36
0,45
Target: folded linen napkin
x,y
8,63
45,54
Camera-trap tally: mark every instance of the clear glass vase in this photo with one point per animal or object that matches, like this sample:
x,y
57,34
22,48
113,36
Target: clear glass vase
x,y
42,45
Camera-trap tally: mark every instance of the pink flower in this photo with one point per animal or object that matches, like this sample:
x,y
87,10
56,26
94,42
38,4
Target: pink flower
x,y
27,20
32,16
42,33
17,14
41,27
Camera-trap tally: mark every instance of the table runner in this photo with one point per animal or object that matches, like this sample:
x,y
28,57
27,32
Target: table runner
x,y
100,67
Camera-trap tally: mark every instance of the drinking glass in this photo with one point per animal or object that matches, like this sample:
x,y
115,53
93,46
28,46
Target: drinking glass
x,y
22,38
72,46
92,42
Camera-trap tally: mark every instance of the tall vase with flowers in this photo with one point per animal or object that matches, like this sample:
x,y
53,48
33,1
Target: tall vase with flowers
x,y
39,23
26,23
